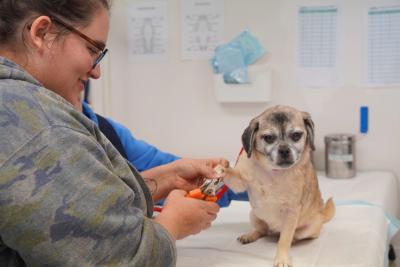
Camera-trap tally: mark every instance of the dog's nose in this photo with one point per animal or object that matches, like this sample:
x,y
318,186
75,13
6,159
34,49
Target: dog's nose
x,y
284,152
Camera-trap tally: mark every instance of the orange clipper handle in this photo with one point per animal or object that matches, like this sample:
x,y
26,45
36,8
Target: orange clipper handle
x,y
211,198
196,193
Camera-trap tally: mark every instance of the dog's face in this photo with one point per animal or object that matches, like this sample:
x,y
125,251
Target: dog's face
x,y
280,134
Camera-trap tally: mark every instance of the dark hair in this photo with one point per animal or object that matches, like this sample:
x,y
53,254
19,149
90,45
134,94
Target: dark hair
x,y
14,13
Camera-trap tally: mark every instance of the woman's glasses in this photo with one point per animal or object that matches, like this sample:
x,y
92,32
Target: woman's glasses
x,y
100,46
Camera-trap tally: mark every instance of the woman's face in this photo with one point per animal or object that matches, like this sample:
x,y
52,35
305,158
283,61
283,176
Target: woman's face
x,y
70,60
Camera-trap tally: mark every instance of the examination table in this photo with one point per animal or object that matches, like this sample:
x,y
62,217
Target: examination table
x,y
357,236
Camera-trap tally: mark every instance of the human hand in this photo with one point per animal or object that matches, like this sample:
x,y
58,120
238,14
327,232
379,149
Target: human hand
x,y
183,216
185,174
189,173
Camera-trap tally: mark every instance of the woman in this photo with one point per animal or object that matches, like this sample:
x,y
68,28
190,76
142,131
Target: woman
x,y
67,197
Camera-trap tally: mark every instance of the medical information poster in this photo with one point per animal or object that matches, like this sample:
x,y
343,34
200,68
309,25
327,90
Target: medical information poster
x,y
147,31
201,27
383,53
317,46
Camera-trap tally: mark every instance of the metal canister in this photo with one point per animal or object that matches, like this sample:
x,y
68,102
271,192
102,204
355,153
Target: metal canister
x,y
340,156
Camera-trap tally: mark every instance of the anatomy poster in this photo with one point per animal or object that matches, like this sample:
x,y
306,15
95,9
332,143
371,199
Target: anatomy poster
x,y
147,31
202,25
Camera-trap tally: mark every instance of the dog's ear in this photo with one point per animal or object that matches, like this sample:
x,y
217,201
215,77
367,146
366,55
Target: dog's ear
x,y
309,124
248,137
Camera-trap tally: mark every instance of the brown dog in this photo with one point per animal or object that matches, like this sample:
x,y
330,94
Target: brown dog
x,y
279,176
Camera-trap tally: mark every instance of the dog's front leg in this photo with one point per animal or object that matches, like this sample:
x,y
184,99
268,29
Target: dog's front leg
x,y
285,239
234,180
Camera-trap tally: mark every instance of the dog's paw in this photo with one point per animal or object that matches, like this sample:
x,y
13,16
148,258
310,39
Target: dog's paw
x,y
279,264
219,169
248,238
283,262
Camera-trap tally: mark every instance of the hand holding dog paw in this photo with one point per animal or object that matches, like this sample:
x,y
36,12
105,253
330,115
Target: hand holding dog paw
x,y
189,173
185,174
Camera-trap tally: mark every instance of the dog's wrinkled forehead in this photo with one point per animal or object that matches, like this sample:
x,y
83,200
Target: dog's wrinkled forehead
x,y
281,119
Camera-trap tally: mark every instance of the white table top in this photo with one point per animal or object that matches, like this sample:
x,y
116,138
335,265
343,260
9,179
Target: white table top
x,y
376,187
355,237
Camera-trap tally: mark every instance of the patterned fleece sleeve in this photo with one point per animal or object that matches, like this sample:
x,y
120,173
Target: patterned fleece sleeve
x,y
68,200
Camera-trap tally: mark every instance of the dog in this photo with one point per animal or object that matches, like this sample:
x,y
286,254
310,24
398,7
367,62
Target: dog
x,y
278,174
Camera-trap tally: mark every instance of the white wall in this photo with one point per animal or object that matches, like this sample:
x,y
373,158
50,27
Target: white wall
x,y
172,104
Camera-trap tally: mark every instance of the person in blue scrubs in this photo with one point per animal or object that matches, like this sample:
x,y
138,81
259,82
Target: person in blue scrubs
x,y
145,156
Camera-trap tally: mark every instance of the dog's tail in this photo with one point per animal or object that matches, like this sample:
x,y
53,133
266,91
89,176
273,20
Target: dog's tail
x,y
329,210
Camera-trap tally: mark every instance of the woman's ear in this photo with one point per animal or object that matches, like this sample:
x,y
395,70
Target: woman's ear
x,y
39,31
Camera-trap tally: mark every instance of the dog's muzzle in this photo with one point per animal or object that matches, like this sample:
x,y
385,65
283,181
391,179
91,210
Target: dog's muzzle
x,y
285,157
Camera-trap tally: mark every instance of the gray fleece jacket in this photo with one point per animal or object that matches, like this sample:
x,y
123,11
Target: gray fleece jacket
x,y
67,197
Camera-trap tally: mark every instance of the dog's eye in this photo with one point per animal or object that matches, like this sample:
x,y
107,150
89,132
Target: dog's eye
x,y
296,136
269,138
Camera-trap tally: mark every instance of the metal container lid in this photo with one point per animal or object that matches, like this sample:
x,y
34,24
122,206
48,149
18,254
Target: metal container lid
x,y
340,137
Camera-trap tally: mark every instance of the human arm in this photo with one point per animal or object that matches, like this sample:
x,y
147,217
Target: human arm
x,y
132,146
140,153
69,200
145,156
229,195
